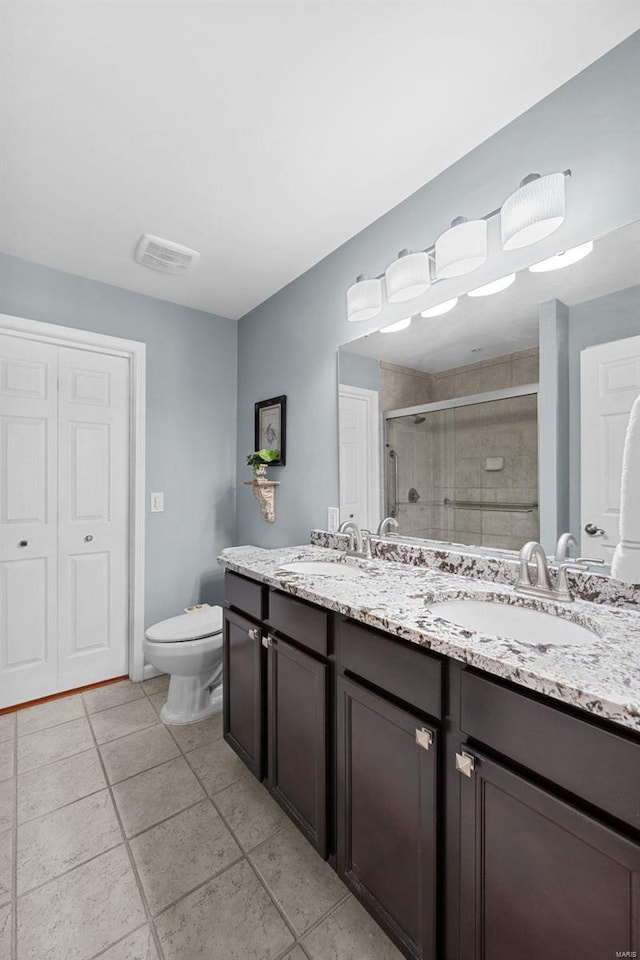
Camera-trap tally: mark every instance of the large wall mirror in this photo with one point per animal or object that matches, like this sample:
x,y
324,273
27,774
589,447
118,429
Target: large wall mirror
x,y
501,418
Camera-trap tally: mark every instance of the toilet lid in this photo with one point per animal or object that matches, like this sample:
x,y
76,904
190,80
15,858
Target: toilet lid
x,y
188,626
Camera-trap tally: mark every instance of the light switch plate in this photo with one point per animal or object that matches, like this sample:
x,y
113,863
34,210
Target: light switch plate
x,y
333,519
157,502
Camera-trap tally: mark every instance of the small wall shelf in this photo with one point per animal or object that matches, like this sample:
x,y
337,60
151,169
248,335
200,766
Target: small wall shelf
x,y
264,492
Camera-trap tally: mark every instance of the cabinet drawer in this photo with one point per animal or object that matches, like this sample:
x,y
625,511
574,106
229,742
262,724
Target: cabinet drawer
x,y
410,675
246,595
601,767
300,621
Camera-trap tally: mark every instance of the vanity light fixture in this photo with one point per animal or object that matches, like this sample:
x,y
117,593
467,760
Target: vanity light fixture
x,y
496,286
408,276
461,249
364,299
441,308
395,327
564,259
534,211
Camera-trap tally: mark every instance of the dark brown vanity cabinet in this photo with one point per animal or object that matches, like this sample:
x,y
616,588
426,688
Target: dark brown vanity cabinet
x,y
473,818
244,688
387,761
297,693
539,878
276,699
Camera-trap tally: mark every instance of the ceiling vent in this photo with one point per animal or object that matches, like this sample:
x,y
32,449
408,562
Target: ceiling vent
x,y
165,256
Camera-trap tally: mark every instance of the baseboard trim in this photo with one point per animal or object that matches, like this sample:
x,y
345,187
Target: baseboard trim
x,y
63,693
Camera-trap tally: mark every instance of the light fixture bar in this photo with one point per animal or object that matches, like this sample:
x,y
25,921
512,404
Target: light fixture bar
x,y
431,249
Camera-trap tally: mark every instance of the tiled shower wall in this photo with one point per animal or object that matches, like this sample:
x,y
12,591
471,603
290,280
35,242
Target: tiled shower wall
x,y
445,457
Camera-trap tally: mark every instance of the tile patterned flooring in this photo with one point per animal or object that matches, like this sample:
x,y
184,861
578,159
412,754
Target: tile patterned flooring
x,y
124,839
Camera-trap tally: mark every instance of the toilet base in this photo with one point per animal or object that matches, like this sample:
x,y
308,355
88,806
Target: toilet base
x,y
189,700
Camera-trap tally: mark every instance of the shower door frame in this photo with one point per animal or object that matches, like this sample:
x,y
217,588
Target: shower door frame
x,y
506,393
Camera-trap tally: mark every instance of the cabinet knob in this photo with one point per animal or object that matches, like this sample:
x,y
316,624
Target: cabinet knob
x,y
465,763
88,538
424,738
254,633
23,543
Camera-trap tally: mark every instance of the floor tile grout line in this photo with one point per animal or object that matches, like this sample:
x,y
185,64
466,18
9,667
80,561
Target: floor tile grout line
x,y
39,816
198,886
132,862
64,873
233,834
96,956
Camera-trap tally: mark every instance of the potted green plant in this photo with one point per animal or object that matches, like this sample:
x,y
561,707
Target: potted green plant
x,y
259,461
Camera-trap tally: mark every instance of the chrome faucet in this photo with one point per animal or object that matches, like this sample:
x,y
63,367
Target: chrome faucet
x,y
542,587
386,525
565,542
359,540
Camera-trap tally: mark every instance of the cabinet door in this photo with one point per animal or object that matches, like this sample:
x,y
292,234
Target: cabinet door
x,y
243,690
539,878
386,818
297,722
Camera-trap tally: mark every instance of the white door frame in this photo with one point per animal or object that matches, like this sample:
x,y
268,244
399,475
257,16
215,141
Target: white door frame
x,y
135,353
372,401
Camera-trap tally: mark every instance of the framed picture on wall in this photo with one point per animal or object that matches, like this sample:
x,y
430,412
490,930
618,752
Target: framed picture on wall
x,y
271,427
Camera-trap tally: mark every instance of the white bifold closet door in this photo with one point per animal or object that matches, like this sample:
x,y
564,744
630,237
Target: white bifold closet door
x,y
64,496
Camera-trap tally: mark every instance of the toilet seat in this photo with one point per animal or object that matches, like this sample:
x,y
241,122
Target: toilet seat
x,y
187,626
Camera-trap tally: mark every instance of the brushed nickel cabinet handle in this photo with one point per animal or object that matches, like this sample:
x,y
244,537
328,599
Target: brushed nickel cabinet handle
x,y
465,763
424,738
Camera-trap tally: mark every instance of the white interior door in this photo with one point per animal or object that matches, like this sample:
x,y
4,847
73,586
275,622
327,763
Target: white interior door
x,y
610,382
359,457
28,519
93,517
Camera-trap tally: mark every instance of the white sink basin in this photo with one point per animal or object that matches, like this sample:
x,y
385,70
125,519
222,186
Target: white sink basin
x,y
518,623
328,568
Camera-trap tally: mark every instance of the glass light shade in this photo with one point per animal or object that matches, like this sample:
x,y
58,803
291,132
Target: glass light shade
x,y
407,277
496,286
535,210
440,309
461,249
364,299
565,259
398,325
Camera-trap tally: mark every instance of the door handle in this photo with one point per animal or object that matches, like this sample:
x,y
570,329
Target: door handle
x,y
593,531
88,538
23,543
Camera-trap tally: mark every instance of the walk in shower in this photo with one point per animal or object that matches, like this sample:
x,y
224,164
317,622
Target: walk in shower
x,y
465,470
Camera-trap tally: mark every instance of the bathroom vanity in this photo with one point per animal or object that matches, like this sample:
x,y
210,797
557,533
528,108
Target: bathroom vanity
x,y
480,796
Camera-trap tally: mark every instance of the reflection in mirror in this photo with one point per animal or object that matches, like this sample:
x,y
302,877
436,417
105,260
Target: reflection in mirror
x,y
502,420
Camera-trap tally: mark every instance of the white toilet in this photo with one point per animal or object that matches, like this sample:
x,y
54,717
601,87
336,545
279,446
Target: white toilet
x,y
189,649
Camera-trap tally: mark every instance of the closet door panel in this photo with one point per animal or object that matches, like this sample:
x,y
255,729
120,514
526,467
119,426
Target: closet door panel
x,y
28,519
94,516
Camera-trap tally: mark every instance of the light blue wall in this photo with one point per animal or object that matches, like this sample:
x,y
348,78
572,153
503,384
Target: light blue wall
x,y
288,344
357,371
613,317
191,418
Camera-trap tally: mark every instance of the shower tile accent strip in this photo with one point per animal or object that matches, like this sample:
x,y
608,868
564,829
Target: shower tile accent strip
x,y
584,586
602,678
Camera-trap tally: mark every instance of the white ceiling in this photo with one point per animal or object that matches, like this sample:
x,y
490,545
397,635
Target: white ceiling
x,y
507,321
261,134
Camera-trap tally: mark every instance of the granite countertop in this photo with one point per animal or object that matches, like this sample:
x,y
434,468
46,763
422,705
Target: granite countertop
x,y
603,677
